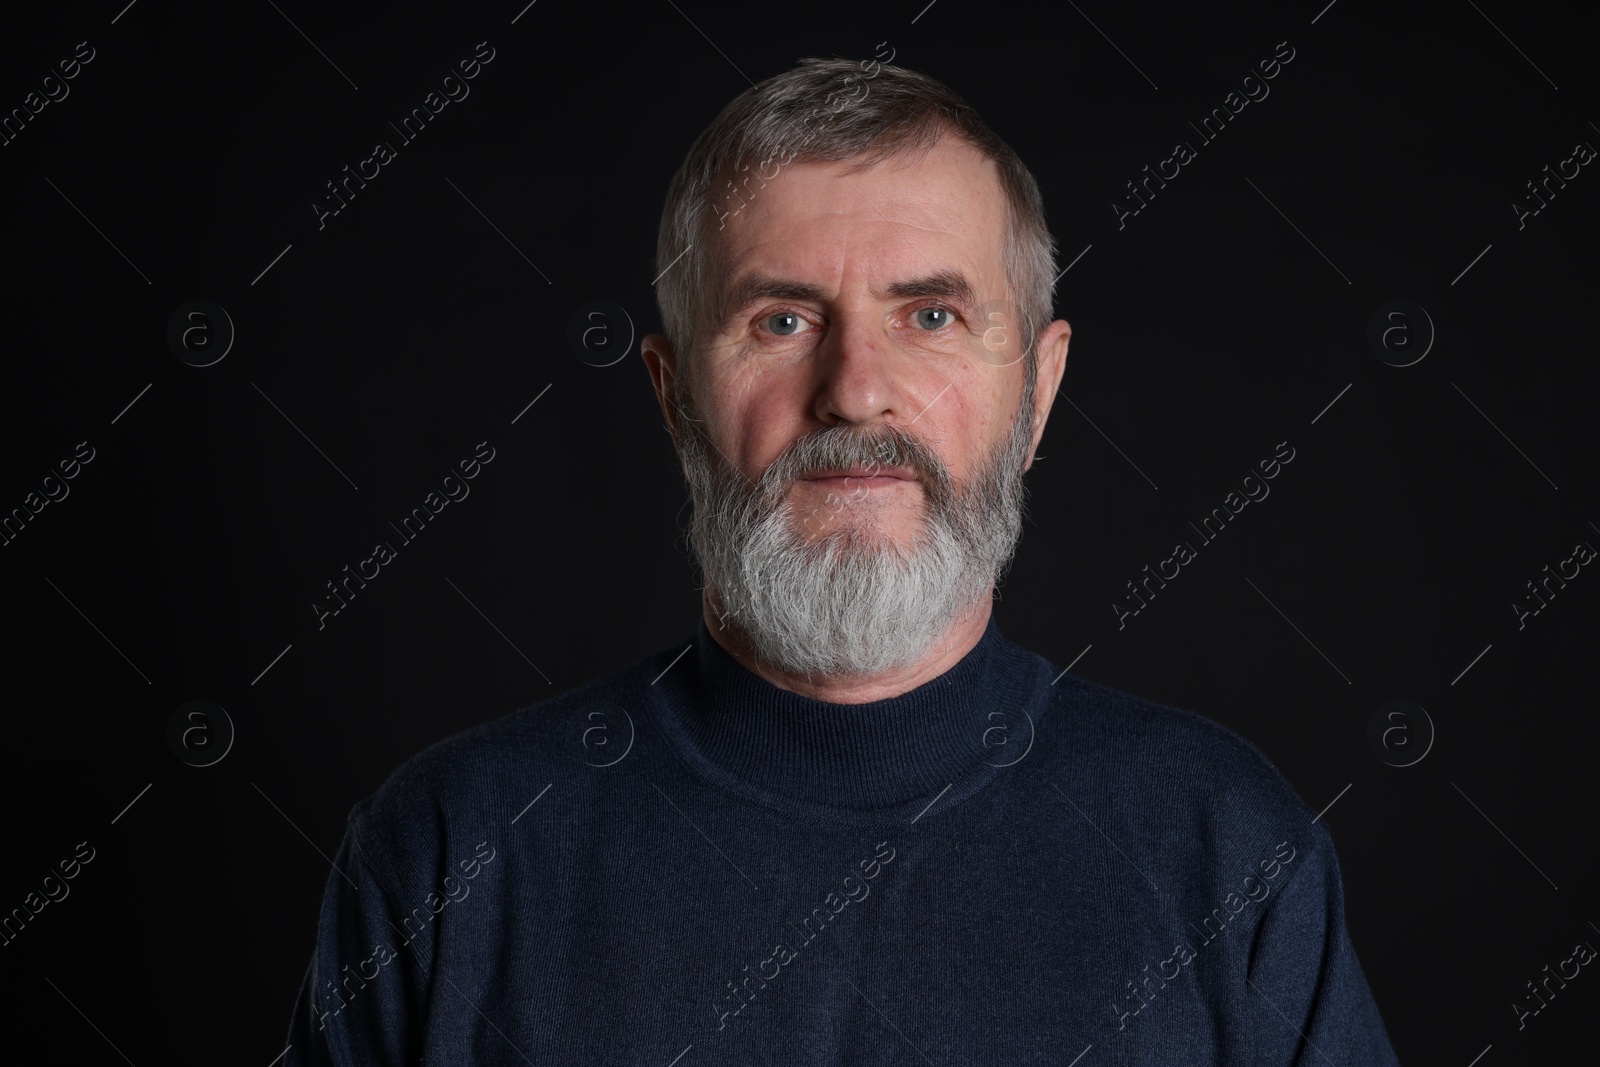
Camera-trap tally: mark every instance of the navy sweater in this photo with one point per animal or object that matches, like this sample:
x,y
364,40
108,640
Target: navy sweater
x,y
681,864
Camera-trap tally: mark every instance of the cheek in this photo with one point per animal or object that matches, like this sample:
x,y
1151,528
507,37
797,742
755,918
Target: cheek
x,y
759,419
970,430
1008,406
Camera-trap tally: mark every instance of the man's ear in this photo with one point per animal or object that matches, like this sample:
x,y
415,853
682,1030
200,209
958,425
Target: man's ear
x,y
1052,364
662,362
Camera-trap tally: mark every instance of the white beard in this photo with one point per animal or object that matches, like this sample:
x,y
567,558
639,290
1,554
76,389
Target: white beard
x,y
854,602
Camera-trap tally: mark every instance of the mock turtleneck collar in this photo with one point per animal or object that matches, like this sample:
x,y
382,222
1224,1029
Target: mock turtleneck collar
x,y
743,730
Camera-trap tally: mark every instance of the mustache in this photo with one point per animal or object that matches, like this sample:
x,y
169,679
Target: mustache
x,y
844,447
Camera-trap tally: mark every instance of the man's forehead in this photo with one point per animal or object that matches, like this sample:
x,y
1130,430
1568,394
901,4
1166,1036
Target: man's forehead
x,y
923,224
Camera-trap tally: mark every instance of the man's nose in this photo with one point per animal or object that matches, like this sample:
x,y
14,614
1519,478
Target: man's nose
x,y
856,374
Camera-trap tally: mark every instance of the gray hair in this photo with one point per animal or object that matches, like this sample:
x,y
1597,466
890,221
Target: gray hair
x,y
787,119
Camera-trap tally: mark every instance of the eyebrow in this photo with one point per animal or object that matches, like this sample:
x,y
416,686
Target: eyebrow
x,y
951,284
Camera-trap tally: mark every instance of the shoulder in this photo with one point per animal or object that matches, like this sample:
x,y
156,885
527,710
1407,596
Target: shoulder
x,y
478,781
1175,768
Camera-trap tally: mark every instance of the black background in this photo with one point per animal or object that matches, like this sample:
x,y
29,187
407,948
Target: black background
x,y
378,350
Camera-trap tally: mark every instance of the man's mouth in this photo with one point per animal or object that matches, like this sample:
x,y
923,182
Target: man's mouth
x,y
869,475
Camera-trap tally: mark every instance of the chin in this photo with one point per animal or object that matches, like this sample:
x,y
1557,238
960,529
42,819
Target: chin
x,y
861,533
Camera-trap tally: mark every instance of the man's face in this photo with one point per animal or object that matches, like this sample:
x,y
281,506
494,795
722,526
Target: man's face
x,y
851,420
852,343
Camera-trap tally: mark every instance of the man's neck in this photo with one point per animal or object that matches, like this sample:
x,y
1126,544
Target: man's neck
x,y
945,652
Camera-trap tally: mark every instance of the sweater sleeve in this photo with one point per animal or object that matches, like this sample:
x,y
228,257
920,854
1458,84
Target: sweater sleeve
x,y
1315,1008
366,985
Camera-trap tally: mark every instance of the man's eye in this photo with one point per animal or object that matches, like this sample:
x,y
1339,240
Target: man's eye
x,y
786,323
933,318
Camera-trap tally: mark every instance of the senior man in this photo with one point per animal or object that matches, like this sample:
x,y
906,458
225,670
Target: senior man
x,y
848,821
